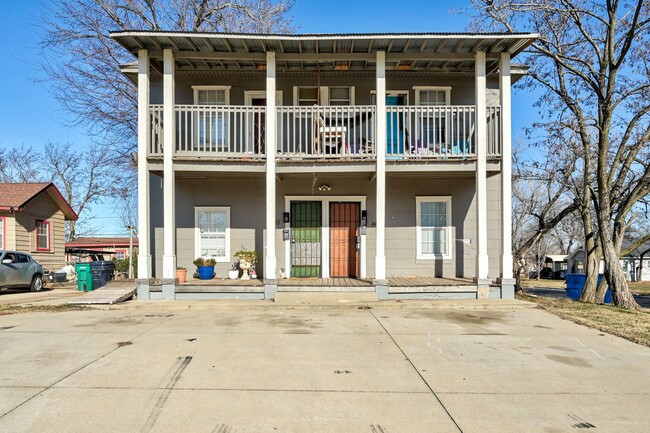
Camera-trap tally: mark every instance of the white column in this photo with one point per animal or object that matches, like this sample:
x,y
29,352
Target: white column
x,y
506,166
380,143
271,145
169,143
481,170
144,137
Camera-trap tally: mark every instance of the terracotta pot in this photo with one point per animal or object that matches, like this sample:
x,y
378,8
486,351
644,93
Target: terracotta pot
x,y
181,274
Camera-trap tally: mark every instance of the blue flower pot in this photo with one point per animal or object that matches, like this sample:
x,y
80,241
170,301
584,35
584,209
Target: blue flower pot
x,y
206,272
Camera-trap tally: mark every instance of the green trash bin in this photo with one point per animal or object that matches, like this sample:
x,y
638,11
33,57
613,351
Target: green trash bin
x,y
84,277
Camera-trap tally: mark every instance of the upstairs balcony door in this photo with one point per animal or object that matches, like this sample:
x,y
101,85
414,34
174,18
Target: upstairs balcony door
x,y
256,124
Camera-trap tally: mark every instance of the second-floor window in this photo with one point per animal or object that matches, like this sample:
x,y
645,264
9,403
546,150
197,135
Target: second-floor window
x,y
432,126
306,96
212,123
42,235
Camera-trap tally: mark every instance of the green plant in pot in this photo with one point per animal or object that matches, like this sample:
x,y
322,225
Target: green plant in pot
x,y
247,258
205,267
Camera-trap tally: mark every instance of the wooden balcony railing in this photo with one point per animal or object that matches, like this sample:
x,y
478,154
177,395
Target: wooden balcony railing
x,y
327,132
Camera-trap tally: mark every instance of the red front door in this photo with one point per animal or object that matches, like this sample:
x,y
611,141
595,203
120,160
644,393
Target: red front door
x,y
345,219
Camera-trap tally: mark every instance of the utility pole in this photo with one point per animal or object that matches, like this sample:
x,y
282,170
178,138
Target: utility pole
x,y
130,227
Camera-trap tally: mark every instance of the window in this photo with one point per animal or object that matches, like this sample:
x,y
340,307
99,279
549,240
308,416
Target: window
x,y
42,236
432,125
433,227
22,258
212,122
212,225
120,254
341,96
307,96
3,233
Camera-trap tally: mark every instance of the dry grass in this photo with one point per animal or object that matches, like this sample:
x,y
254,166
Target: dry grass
x,y
640,287
631,325
14,309
548,284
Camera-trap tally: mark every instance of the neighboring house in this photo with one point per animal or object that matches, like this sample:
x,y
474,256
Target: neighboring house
x,y
631,264
368,156
32,220
118,246
555,266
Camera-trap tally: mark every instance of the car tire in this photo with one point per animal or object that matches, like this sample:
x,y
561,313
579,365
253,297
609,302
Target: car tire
x,y
37,283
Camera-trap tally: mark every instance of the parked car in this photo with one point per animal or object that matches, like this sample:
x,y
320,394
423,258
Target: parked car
x,y
20,270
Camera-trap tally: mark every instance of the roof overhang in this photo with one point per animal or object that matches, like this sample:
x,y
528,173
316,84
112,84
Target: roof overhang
x,y
405,52
50,189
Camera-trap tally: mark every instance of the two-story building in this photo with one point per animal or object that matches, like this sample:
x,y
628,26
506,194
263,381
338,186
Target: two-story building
x,y
380,160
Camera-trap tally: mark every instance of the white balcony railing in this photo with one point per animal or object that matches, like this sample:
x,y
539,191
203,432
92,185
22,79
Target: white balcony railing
x,y
327,132
213,130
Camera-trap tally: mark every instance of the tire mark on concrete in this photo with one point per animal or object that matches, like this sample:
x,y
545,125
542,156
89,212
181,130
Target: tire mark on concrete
x,y
75,371
222,428
174,375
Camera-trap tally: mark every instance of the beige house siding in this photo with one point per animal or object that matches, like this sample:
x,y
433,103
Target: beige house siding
x,y
41,208
10,231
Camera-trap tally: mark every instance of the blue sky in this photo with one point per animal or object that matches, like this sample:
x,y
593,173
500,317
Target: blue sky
x,y
30,115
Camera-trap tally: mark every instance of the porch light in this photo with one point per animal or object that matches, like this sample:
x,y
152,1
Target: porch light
x,y
404,67
324,188
341,67
261,67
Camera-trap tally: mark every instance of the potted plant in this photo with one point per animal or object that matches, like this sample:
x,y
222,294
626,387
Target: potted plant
x,y
233,273
247,258
205,268
181,274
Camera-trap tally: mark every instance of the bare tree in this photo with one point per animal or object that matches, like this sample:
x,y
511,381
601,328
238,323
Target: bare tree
x,y
82,64
83,176
591,63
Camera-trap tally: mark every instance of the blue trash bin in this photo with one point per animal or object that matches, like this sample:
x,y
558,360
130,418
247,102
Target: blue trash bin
x,y
576,282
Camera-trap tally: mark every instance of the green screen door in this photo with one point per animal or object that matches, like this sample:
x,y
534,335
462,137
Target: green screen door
x,y
306,221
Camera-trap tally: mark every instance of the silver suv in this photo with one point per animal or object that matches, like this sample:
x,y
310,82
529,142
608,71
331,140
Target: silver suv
x,y
20,270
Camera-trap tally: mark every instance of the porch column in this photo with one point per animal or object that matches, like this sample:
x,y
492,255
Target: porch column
x,y
507,282
169,184
144,137
380,143
481,277
270,282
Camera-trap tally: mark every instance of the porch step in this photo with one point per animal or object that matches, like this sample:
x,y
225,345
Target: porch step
x,y
325,298
112,293
317,289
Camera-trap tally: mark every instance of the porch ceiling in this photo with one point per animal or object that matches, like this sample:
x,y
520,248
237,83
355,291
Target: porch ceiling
x,y
241,53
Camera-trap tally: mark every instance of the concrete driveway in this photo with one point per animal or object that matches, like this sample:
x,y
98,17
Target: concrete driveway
x,y
254,367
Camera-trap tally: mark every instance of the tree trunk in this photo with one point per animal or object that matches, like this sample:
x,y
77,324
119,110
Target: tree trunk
x,y
601,291
592,265
616,278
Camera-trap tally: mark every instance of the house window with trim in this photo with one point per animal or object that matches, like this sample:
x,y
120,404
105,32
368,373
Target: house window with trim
x,y
307,96
120,255
42,235
432,124
212,226
212,122
3,227
433,227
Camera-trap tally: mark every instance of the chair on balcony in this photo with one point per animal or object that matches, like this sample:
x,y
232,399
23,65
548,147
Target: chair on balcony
x,y
329,137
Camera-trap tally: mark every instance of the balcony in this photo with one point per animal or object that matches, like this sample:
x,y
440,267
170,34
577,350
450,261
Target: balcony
x,y
326,132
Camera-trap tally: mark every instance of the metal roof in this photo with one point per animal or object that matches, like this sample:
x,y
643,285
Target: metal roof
x,y
341,52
